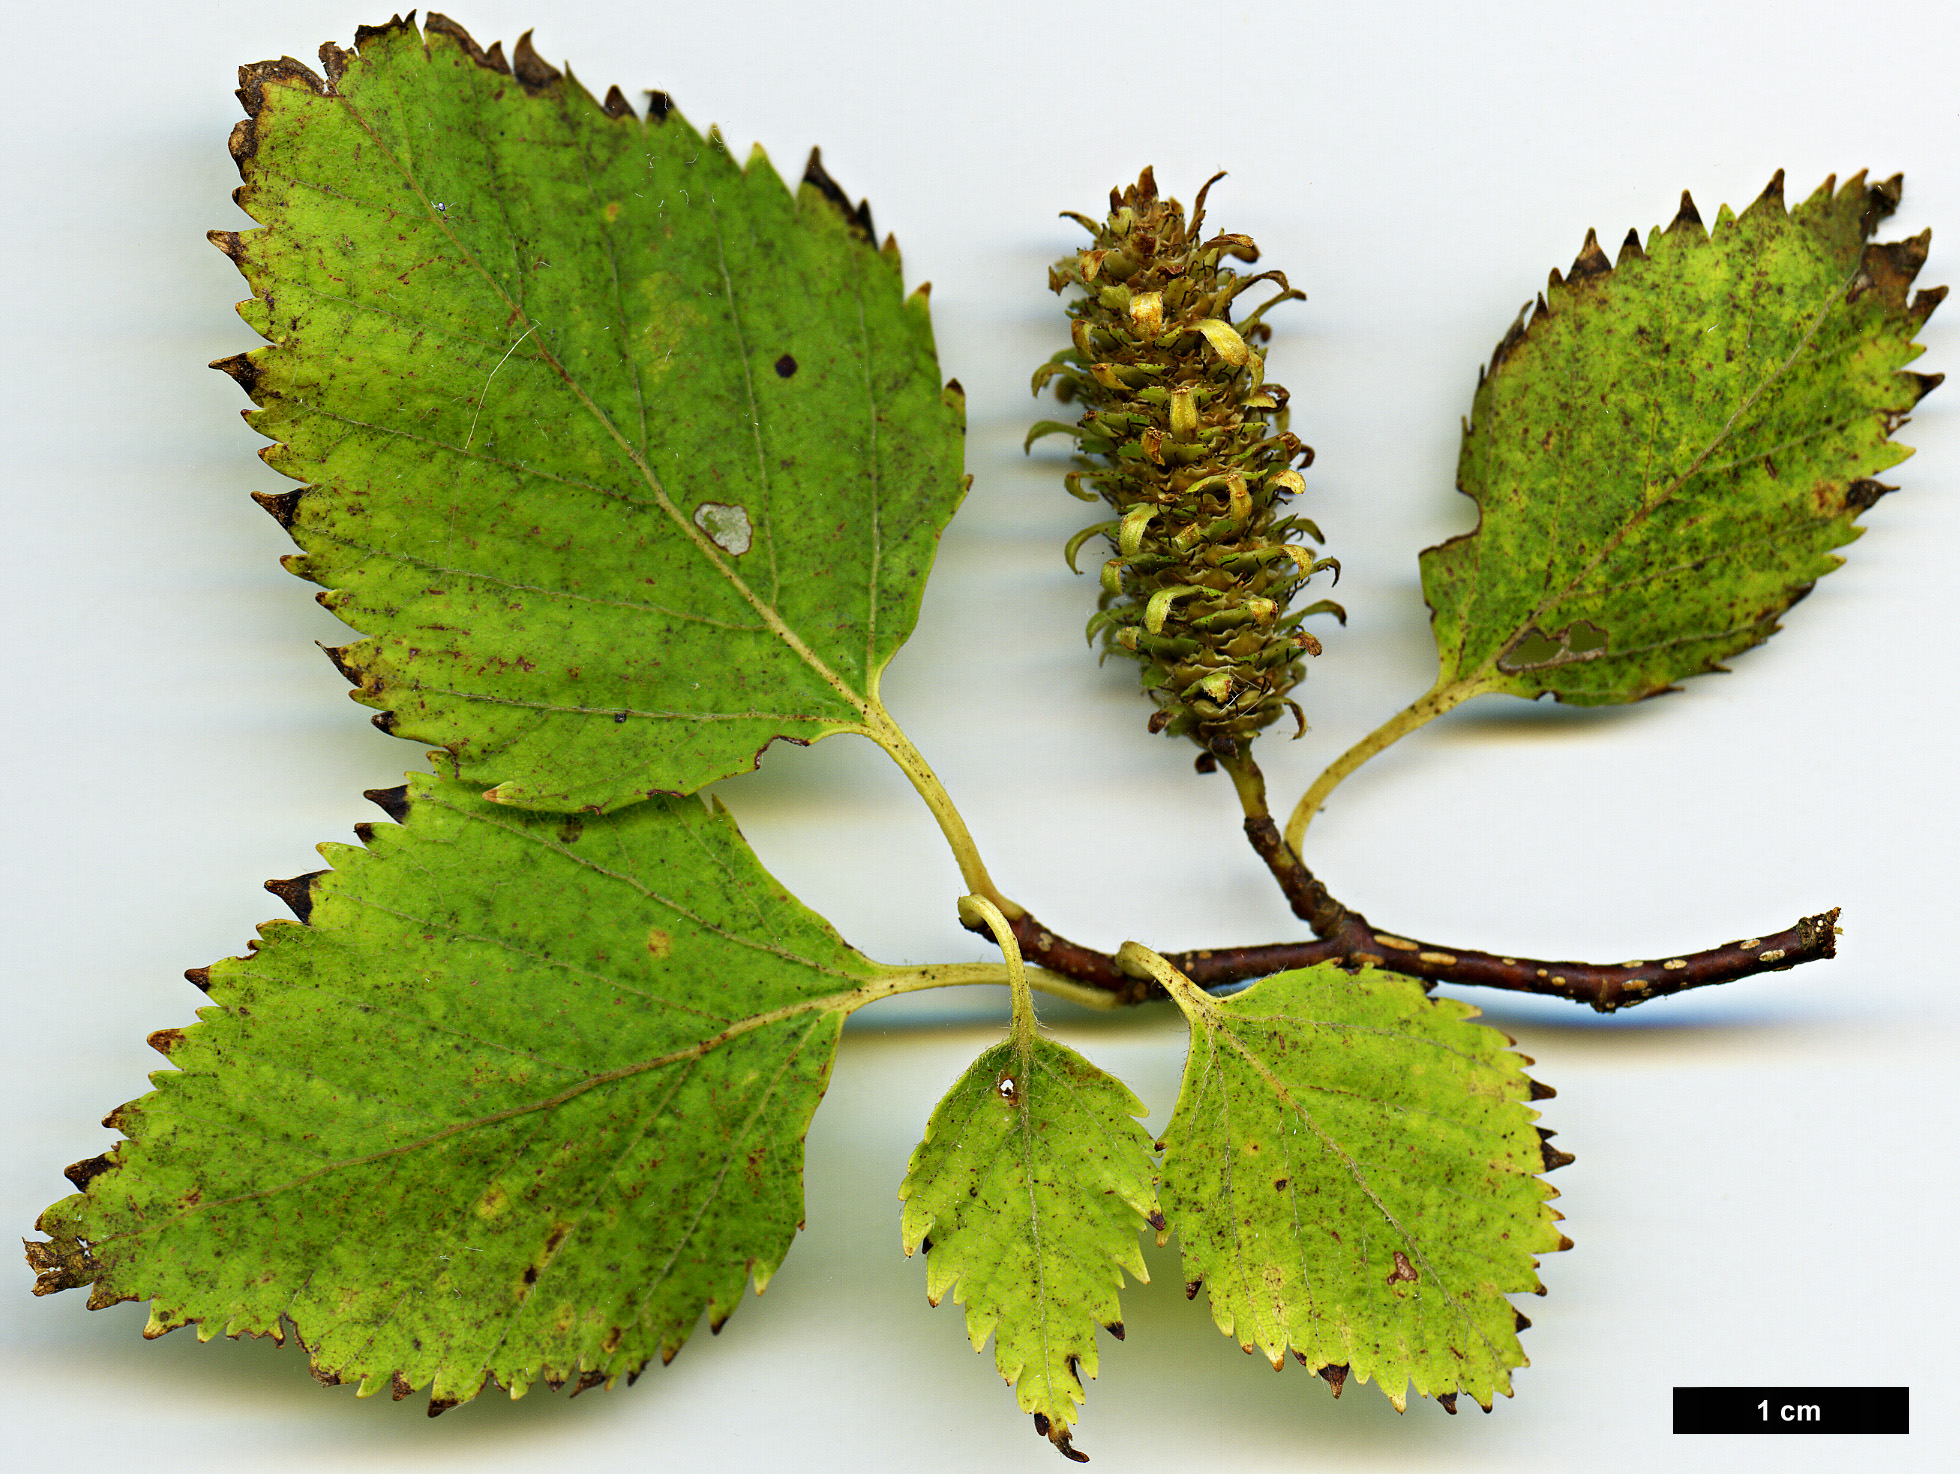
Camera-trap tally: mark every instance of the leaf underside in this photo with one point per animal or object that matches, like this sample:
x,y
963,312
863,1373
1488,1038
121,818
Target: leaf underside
x,y
523,1097
1029,1189
1351,1172
1666,452
626,459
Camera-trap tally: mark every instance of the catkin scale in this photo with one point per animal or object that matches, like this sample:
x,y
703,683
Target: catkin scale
x,y
1186,441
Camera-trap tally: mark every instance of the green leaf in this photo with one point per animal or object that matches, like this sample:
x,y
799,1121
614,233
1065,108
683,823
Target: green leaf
x,y
1028,1192
1666,453
627,460
1350,1171
524,1096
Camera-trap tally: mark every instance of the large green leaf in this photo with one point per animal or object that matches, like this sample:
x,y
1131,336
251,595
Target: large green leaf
x,y
1666,452
524,1096
1028,1191
626,460
1351,1171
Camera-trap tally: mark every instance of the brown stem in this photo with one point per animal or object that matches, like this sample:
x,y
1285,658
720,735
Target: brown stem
x,y
1306,895
1355,943
1302,889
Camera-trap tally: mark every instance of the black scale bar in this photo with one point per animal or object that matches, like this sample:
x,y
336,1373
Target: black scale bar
x,y
1792,1410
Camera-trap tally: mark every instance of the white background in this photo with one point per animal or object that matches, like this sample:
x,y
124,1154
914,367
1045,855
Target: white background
x,y
1765,1185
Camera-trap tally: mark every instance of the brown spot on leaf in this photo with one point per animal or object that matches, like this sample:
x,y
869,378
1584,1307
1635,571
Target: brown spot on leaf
x,y
1687,217
1448,1402
1335,1376
199,978
1403,1271
1630,249
591,1379
616,105
659,104
440,1405
166,1041
1523,1320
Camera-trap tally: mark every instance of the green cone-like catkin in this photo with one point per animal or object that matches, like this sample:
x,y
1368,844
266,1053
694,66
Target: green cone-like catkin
x,y
1186,440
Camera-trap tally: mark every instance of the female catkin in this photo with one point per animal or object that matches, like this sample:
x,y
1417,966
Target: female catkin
x,y
1186,441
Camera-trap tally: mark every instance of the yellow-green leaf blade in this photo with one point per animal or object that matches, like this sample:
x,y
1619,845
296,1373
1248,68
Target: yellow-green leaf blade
x,y
1028,1190
626,459
1351,1172
523,1098
1665,456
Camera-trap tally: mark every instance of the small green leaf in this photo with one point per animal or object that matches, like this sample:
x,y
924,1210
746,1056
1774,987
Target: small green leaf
x,y
1028,1190
1666,453
523,1098
627,460
1350,1170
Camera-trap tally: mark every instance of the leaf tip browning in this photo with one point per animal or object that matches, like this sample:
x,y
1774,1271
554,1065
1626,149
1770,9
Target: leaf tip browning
x,y
439,24
297,893
1553,1157
1770,199
858,218
1687,218
533,71
1590,262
